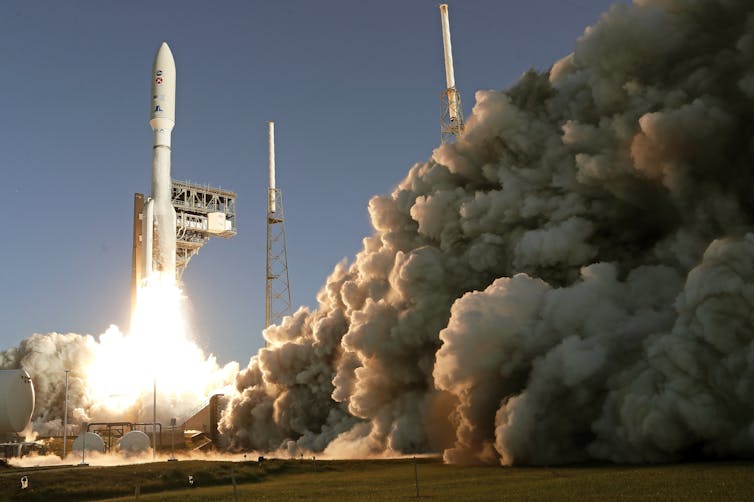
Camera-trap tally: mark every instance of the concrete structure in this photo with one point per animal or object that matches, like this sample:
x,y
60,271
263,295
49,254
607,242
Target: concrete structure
x,y
206,418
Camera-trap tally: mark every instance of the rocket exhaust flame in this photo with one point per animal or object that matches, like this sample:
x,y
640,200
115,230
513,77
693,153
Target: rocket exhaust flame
x,y
158,347
111,377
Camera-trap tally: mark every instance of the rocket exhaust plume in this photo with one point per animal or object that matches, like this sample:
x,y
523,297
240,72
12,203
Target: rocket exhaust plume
x,y
569,280
162,121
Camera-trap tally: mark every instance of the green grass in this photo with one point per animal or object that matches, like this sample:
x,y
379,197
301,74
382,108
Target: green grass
x,y
379,480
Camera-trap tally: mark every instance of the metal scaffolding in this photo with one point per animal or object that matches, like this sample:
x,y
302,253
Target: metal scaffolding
x,y
201,212
277,291
451,124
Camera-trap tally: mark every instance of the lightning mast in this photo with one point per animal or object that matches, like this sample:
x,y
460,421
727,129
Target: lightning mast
x,y
277,291
451,118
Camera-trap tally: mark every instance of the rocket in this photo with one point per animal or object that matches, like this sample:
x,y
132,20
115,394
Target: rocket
x,y
159,214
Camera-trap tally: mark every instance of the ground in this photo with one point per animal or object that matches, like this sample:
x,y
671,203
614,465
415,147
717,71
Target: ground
x,y
378,480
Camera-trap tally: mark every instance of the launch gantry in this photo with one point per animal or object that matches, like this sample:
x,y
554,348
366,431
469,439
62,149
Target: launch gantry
x,y
201,212
451,115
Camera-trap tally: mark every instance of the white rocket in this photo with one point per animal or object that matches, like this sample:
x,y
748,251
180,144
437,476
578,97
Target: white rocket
x,y
159,214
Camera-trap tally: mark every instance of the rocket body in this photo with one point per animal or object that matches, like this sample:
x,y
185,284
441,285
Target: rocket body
x,y
162,121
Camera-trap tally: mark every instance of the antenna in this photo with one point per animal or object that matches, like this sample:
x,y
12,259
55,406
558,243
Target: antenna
x,y
277,291
451,117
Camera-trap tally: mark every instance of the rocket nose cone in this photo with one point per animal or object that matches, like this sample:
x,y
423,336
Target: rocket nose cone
x,y
162,113
164,55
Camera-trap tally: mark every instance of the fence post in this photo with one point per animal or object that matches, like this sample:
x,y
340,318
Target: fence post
x,y
416,478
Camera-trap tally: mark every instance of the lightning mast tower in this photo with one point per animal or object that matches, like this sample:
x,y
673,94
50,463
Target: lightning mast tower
x,y
277,291
451,118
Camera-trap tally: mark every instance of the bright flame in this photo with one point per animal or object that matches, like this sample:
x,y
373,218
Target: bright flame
x,y
157,350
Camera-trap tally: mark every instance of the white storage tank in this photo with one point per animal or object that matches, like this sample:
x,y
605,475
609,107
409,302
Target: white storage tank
x,y
134,442
16,400
93,443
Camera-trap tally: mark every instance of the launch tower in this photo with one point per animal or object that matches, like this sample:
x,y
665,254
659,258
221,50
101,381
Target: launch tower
x,y
451,114
201,212
277,291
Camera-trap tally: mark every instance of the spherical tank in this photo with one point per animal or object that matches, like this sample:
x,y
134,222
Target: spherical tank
x,y
134,442
16,400
93,443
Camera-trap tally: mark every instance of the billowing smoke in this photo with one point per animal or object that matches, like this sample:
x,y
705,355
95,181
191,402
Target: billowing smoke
x,y
46,357
572,279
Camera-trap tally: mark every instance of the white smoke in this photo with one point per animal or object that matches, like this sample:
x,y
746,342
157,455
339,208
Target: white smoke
x,y
569,280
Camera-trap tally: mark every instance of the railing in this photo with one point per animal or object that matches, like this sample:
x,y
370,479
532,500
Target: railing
x,y
204,404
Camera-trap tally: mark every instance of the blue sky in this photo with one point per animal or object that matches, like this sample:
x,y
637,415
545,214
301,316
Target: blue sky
x,y
353,87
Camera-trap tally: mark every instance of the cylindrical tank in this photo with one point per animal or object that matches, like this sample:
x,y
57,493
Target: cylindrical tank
x,y
93,443
134,442
16,400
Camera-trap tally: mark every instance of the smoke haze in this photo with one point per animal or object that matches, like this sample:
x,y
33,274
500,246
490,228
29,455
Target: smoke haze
x,y
570,280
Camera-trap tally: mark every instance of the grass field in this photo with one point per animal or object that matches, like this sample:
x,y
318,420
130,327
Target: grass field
x,y
378,480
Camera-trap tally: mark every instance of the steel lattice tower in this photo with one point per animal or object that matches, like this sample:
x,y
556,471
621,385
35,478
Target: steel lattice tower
x,y
451,113
451,124
277,291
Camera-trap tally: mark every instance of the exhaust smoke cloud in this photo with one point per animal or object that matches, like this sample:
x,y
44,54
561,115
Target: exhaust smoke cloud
x,y
571,280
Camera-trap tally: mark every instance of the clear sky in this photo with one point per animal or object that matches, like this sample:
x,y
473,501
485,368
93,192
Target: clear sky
x,y
353,86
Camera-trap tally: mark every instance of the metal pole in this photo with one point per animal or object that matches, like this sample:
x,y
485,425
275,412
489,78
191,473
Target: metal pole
x,y
271,202
65,415
235,488
83,443
416,478
450,78
154,418
172,439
